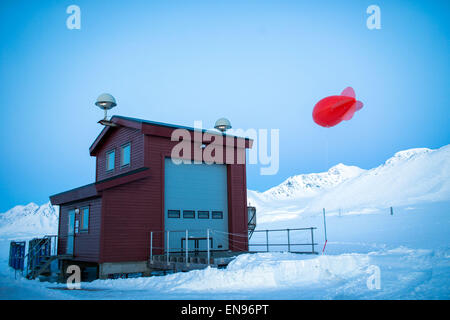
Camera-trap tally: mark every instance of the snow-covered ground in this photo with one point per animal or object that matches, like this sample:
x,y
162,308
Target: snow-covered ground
x,y
410,248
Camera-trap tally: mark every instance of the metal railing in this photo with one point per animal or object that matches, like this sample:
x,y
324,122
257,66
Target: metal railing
x,y
289,245
238,241
44,247
184,248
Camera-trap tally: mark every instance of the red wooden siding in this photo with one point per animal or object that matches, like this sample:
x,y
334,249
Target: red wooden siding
x,y
117,138
138,203
128,217
237,207
77,194
86,245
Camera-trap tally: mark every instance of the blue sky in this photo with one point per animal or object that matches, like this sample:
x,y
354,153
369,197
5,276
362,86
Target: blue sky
x,y
262,64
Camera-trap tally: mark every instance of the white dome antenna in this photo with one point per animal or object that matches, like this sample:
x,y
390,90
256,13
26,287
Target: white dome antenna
x,y
106,102
223,124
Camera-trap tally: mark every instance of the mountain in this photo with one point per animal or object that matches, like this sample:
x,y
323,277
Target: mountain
x,y
30,219
306,185
409,177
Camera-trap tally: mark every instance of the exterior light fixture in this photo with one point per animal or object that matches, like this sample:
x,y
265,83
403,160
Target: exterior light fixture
x,y
223,124
106,102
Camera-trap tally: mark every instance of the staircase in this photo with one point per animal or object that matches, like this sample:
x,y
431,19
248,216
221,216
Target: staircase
x,y
41,253
42,267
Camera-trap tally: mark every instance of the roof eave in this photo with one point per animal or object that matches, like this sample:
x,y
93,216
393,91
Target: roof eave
x,y
151,128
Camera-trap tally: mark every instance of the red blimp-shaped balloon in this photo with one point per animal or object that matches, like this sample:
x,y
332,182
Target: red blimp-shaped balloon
x,y
331,110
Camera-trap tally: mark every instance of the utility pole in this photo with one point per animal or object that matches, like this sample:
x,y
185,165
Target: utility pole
x,y
325,230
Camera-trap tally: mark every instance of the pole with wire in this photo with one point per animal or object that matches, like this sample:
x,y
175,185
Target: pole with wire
x,y
325,231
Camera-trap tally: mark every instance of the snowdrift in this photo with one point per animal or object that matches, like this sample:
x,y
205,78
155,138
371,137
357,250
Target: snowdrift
x,y
252,271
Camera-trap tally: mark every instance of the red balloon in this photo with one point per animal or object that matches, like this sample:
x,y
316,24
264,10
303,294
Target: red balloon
x,y
331,110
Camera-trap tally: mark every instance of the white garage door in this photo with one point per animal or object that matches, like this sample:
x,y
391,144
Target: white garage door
x,y
195,198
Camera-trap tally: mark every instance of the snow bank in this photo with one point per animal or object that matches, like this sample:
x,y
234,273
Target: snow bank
x,y
405,273
252,271
269,270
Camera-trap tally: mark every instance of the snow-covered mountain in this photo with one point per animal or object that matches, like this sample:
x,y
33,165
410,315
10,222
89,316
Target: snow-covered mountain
x,y
30,219
409,177
306,185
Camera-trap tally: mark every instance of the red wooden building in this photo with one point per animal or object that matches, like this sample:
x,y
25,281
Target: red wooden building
x,y
138,190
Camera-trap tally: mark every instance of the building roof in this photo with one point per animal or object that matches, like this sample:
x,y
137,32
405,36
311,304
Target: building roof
x,y
93,190
142,124
146,127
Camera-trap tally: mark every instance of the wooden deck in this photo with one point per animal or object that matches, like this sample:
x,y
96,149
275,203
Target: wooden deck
x,y
178,262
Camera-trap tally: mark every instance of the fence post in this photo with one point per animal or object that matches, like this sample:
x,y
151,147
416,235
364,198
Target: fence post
x,y
312,239
167,246
27,257
289,241
207,242
267,240
151,247
187,237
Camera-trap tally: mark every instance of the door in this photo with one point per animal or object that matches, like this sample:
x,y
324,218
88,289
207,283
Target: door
x,y
196,199
71,232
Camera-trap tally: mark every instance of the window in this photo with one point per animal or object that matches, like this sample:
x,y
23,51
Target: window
x,y
84,219
188,214
71,222
217,215
203,214
173,213
125,154
110,157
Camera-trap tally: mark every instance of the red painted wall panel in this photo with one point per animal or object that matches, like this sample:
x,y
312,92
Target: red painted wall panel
x,y
130,213
237,207
141,201
115,140
86,245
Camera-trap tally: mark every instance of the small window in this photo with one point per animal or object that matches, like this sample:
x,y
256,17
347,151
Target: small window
x,y
203,214
85,219
188,214
173,213
110,157
125,154
71,222
217,215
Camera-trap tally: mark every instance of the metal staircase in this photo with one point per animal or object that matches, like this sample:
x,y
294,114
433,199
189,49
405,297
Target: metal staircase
x,y
41,268
41,253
